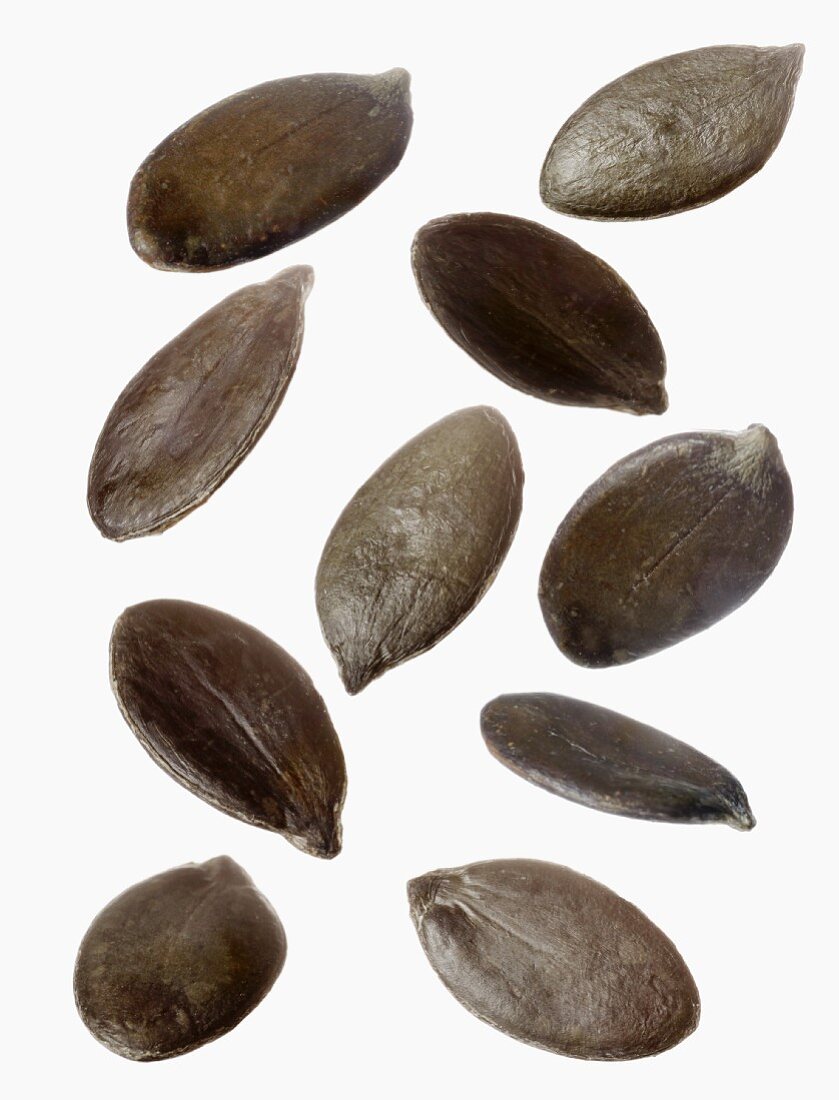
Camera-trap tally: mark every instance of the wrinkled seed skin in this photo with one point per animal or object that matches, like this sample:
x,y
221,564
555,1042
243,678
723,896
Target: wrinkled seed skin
x,y
177,961
668,541
540,313
197,408
674,134
419,544
233,718
266,167
554,959
604,760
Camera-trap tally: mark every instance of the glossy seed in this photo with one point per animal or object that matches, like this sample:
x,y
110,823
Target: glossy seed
x,y
610,762
419,544
177,961
233,718
266,167
668,541
197,408
674,134
540,313
554,959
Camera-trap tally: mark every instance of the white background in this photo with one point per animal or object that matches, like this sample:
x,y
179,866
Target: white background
x,y
741,294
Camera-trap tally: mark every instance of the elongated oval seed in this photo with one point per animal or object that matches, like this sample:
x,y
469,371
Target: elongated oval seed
x,y
540,313
197,408
177,961
605,760
419,544
267,166
554,959
232,717
674,134
669,540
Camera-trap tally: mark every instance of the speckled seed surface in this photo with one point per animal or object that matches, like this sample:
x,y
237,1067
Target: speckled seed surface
x,y
540,313
184,423
419,543
604,760
267,166
554,959
674,134
668,541
233,718
178,960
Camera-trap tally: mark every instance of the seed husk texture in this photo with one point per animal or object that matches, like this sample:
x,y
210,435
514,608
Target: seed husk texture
x,y
233,718
197,408
604,760
419,543
668,541
674,134
540,313
178,960
554,959
266,167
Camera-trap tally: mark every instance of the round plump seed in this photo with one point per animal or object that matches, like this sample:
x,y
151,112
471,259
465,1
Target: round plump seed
x,y
178,960
667,542
554,959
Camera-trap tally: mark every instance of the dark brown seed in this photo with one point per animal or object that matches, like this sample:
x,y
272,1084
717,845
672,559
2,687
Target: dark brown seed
x,y
607,761
233,718
540,313
267,166
178,960
419,544
669,540
554,959
674,134
197,408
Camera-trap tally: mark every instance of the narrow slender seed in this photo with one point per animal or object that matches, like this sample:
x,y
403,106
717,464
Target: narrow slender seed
x,y
419,543
197,408
266,167
554,959
674,134
540,313
177,961
668,541
232,717
607,761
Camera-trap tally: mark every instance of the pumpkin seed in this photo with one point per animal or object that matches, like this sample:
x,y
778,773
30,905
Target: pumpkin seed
x,y
540,313
605,760
668,541
674,134
232,717
164,448
554,959
178,960
419,544
267,166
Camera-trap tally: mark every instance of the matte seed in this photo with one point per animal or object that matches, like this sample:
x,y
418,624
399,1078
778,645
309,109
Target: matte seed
x,y
674,134
540,313
668,541
607,761
419,544
197,408
178,960
233,718
554,959
266,167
